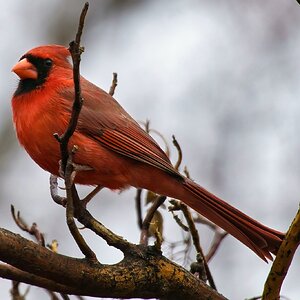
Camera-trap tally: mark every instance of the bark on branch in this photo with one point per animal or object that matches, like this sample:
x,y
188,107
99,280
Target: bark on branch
x,y
151,276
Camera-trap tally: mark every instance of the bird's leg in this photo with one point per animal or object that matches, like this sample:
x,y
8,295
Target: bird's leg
x,y
54,185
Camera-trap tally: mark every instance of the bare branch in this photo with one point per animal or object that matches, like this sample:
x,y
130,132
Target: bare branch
x,y
10,272
91,195
186,172
196,241
218,238
85,218
219,235
177,146
33,230
151,130
146,223
54,296
114,84
72,199
76,51
173,208
151,274
138,206
67,166
15,293
283,260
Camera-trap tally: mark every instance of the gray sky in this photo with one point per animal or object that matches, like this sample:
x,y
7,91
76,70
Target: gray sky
x,y
223,76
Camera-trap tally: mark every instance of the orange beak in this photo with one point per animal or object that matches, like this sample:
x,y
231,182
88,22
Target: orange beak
x,y
25,69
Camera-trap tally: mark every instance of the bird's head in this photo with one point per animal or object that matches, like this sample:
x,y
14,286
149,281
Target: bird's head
x,y
36,65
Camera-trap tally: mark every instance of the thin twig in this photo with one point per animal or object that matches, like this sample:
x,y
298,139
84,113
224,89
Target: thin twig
x,y
76,51
146,223
186,172
149,130
15,293
196,241
282,261
65,297
72,197
138,206
219,235
33,230
66,156
158,239
85,218
218,238
200,219
52,295
91,195
179,159
114,84
175,207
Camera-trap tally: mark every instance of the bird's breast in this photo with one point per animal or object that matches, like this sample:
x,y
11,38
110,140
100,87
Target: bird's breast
x,y
37,119
35,122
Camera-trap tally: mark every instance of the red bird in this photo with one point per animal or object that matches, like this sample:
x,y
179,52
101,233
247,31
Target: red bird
x,y
118,151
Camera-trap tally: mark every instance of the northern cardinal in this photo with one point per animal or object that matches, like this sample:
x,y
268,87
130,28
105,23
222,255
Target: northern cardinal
x,y
119,152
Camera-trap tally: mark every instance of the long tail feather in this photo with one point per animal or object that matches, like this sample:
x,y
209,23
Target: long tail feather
x,y
258,237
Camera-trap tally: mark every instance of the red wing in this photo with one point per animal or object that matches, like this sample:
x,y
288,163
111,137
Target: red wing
x,y
138,148
104,120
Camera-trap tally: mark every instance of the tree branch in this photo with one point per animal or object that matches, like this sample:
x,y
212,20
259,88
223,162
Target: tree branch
x,y
114,84
148,218
12,273
282,261
33,230
76,51
67,166
86,219
196,240
153,276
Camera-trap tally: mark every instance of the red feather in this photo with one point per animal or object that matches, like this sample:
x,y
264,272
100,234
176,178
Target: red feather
x,y
120,153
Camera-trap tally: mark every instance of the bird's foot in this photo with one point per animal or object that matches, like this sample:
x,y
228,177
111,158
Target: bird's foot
x,y
54,191
63,200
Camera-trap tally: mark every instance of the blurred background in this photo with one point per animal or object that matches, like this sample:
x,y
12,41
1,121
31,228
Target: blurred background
x,y
223,76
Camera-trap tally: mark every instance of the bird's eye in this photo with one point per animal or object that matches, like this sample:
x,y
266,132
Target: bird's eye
x,y
48,63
